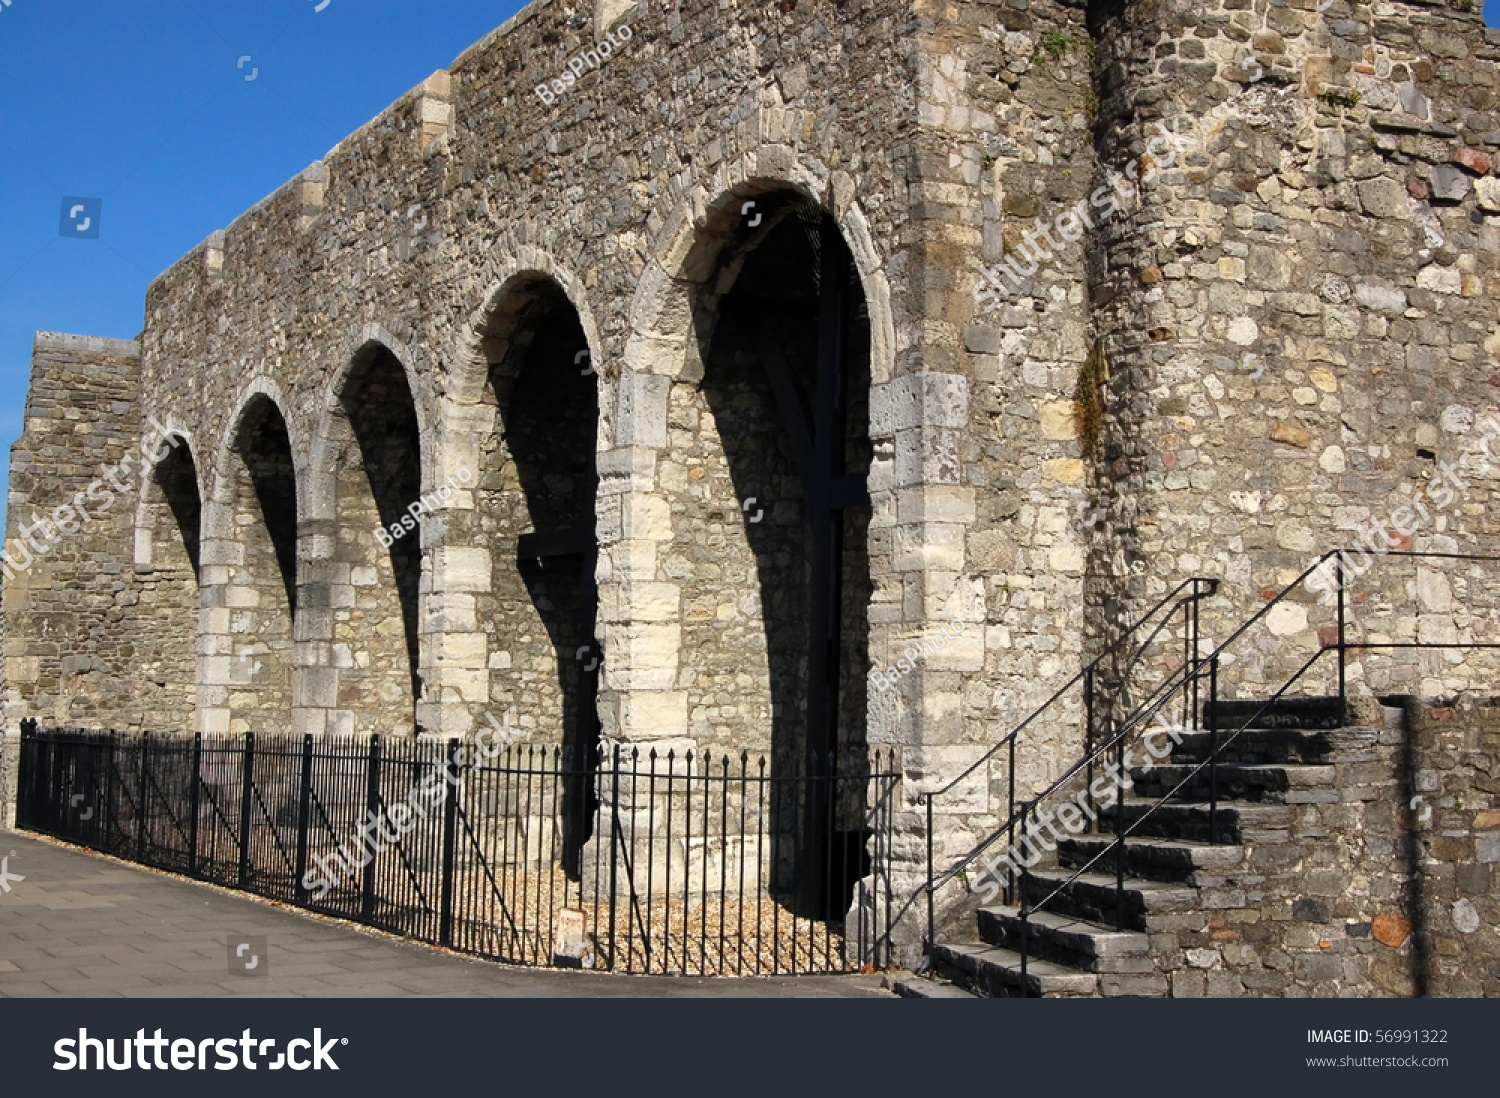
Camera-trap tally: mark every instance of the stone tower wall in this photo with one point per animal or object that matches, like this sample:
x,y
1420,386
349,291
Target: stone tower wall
x,y
1300,323
93,639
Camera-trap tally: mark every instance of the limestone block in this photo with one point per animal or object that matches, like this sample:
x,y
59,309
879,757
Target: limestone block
x,y
925,769
609,519
645,715
935,503
217,670
1066,558
1487,191
925,399
1382,197
626,469
645,517
316,686
1287,619
1434,591
642,656
1381,299
1443,280
469,685
642,415
1062,471
927,456
463,649
646,600
929,545
1058,423
459,568
308,721
450,612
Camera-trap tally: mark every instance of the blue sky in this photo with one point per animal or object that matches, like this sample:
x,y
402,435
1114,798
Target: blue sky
x,y
145,104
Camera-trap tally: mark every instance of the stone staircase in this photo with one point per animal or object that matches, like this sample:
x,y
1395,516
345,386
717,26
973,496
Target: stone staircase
x,y
1187,905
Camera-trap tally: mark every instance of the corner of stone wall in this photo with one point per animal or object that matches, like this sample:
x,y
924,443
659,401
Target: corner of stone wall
x,y
61,585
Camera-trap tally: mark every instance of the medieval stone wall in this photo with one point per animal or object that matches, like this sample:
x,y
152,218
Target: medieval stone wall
x,y
1300,324
413,307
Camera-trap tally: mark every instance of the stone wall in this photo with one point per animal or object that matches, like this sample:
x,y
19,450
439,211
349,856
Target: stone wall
x,y
1038,471
1299,317
91,638
1375,877
1456,775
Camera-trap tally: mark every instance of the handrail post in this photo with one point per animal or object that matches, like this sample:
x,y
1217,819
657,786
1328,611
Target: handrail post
x,y
1338,557
450,837
196,803
247,767
1120,851
1213,751
1088,734
931,913
1025,896
304,811
1010,806
145,798
1194,646
372,813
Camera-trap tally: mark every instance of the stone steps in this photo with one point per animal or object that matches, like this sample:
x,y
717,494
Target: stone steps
x,y
1258,746
1282,713
996,973
1067,940
920,987
1173,875
1255,782
1154,859
1237,822
1093,897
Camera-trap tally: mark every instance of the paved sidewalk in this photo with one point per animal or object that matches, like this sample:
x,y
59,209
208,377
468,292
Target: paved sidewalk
x,y
83,925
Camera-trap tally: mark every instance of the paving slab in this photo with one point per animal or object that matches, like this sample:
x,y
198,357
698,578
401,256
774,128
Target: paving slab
x,y
82,925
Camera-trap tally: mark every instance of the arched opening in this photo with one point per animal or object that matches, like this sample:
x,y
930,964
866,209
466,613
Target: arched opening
x,y
377,564
165,619
536,510
260,596
168,534
784,336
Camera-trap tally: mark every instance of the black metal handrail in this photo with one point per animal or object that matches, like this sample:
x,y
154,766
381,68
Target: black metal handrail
x,y
1215,748
1198,588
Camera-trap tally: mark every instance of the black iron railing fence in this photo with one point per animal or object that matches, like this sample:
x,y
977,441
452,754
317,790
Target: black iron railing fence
x,y
621,860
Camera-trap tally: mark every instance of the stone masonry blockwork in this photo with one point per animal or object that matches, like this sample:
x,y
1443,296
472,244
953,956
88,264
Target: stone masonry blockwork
x,y
537,315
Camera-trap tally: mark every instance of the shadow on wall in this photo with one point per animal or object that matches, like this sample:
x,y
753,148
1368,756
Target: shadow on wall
x,y
771,418
551,421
